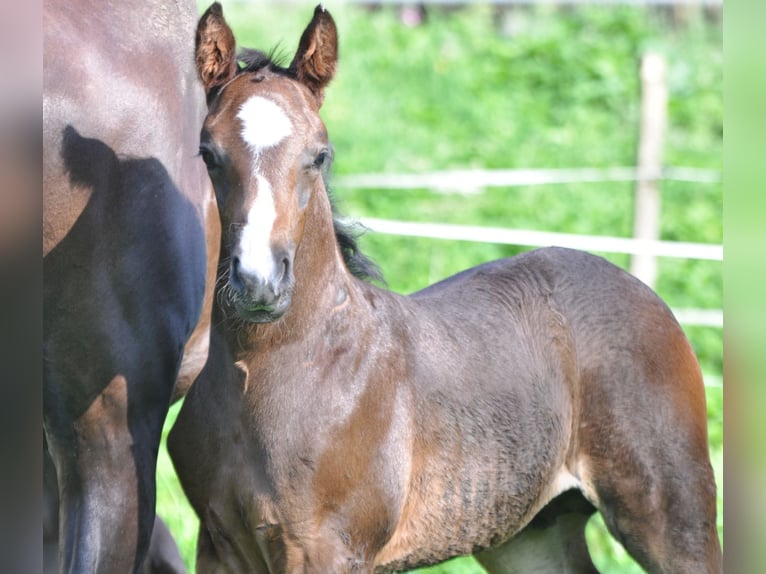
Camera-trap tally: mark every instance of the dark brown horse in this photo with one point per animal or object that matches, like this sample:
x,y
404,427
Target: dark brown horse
x,y
126,263
339,427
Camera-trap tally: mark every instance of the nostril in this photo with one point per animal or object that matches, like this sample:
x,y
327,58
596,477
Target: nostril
x,y
285,269
235,274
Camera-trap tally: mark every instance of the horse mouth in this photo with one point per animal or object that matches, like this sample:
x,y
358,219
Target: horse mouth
x,y
255,312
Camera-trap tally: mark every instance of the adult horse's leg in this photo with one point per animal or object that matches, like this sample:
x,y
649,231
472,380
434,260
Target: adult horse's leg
x,y
553,543
163,556
105,471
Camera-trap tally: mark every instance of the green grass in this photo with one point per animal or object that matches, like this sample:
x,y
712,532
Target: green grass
x,y
172,505
562,92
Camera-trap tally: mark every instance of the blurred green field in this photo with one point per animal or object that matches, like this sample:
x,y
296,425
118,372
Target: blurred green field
x,y
561,91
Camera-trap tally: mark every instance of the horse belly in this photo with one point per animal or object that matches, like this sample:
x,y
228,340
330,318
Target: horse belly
x,y
479,494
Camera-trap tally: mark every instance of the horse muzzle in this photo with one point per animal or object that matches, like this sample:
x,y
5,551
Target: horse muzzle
x,y
258,297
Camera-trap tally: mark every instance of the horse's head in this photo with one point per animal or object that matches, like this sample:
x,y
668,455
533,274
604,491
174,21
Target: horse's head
x,y
265,148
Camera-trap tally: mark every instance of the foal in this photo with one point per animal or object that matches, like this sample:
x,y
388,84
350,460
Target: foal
x,y
338,427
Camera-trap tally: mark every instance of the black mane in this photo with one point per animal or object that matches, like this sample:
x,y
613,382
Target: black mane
x,y
347,234
252,61
359,265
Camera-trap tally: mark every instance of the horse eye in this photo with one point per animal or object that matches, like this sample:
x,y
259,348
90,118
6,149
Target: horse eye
x,y
209,157
321,159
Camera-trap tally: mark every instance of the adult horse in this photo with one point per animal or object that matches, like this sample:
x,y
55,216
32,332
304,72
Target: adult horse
x,y
126,261
338,427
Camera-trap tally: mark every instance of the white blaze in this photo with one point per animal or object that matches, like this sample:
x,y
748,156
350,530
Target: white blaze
x,y
255,241
264,123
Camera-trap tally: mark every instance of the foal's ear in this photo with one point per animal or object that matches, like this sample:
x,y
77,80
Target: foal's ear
x,y
314,62
214,49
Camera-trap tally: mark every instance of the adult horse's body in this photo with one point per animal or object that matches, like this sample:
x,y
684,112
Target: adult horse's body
x,y
338,427
126,263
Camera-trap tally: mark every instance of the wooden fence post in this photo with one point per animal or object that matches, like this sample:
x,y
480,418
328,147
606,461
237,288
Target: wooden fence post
x,y
654,105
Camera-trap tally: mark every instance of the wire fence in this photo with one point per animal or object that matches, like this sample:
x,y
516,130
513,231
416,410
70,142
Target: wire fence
x,y
446,181
471,181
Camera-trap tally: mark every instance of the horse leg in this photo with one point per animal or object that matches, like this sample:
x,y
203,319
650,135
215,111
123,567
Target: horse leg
x,y
645,465
50,513
163,556
207,558
105,466
325,553
213,559
665,518
553,543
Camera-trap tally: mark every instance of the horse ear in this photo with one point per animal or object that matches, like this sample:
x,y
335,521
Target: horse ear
x,y
314,62
215,49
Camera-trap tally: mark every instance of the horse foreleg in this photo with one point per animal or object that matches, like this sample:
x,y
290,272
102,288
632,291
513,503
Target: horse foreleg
x,y
326,552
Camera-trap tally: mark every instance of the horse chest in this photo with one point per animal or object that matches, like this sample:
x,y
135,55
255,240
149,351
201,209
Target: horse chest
x,y
323,461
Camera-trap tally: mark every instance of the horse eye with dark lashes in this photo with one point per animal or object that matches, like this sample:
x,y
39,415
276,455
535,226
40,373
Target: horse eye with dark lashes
x,y
321,159
208,157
